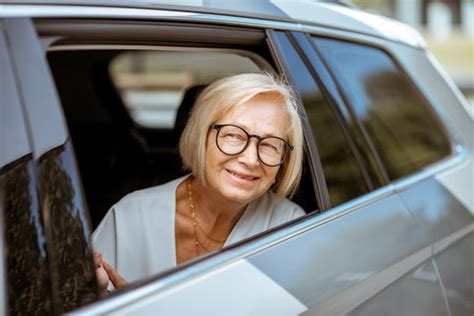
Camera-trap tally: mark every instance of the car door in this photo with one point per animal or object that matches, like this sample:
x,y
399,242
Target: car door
x,y
62,273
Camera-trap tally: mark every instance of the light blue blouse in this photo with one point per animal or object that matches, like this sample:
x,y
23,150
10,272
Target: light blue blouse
x,y
137,235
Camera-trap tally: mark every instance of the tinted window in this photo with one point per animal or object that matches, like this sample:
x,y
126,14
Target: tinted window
x,y
29,289
405,132
343,178
67,230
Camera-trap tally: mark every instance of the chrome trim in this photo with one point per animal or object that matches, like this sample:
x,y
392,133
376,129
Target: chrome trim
x,y
461,155
72,11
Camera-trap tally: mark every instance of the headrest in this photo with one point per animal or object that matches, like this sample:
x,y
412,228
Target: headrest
x,y
185,107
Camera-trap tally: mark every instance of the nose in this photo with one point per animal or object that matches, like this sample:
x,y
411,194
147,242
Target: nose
x,y
250,155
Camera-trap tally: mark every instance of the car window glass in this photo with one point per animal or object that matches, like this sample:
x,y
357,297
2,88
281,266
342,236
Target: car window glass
x,y
343,177
152,83
67,230
403,129
26,255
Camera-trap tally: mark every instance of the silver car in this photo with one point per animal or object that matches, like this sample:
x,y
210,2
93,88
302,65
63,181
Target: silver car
x,y
94,95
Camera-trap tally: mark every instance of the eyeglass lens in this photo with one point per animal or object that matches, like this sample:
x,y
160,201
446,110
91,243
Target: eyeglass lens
x,y
233,140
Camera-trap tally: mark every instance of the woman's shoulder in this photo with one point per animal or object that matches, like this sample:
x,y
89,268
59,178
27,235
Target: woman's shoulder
x,y
157,196
281,209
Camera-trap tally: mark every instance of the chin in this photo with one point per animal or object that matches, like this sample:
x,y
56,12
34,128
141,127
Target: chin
x,y
241,197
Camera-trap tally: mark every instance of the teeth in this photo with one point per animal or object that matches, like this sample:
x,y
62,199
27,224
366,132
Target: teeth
x,y
242,177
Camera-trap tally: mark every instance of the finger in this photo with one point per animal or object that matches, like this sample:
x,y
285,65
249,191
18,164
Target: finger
x,y
102,280
97,256
115,278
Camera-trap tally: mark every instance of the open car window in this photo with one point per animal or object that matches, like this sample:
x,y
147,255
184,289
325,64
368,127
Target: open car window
x,y
126,108
152,84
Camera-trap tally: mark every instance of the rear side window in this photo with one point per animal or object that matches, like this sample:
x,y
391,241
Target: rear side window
x,y
405,132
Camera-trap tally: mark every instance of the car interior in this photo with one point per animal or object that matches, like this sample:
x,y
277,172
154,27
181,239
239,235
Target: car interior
x,y
116,152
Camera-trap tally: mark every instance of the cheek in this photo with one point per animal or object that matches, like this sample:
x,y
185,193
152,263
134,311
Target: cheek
x,y
214,157
271,174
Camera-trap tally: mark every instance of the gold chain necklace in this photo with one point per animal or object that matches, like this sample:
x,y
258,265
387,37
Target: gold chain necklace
x,y
197,242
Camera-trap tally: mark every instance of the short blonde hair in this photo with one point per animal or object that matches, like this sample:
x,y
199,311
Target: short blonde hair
x,y
227,93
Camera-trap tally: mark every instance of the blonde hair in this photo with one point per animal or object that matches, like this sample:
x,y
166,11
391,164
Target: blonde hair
x,y
227,93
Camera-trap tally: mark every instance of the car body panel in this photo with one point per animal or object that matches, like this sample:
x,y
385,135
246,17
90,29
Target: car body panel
x,y
247,291
439,212
457,274
403,298
37,88
374,237
14,141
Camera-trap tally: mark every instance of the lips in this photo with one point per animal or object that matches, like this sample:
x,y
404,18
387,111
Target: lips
x,y
242,175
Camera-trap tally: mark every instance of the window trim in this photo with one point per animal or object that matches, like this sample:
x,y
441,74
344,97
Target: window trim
x,y
96,31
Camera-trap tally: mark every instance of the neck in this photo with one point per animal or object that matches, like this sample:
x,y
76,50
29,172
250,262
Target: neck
x,y
216,215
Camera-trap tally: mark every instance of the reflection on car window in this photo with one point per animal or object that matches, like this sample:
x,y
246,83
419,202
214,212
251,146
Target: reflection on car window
x,y
152,83
67,231
29,288
404,131
343,177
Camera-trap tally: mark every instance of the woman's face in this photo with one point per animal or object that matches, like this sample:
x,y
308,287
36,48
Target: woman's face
x,y
243,178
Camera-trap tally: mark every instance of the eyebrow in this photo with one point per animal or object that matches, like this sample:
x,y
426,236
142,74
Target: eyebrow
x,y
246,128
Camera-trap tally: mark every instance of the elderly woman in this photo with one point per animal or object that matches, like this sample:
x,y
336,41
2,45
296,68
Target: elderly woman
x,y
243,146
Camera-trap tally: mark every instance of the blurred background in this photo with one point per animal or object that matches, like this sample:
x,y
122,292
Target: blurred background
x,y
446,25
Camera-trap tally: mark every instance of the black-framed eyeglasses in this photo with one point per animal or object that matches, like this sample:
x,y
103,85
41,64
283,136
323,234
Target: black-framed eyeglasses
x,y
233,140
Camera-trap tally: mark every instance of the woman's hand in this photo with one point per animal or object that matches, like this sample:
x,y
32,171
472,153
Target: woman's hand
x,y
105,273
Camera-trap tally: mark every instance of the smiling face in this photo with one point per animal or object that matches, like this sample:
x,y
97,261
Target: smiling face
x,y
243,178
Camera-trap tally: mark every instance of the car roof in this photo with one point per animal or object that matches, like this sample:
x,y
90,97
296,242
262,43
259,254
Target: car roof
x,y
333,14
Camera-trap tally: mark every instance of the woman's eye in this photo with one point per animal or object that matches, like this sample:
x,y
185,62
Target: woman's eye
x,y
268,146
234,136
